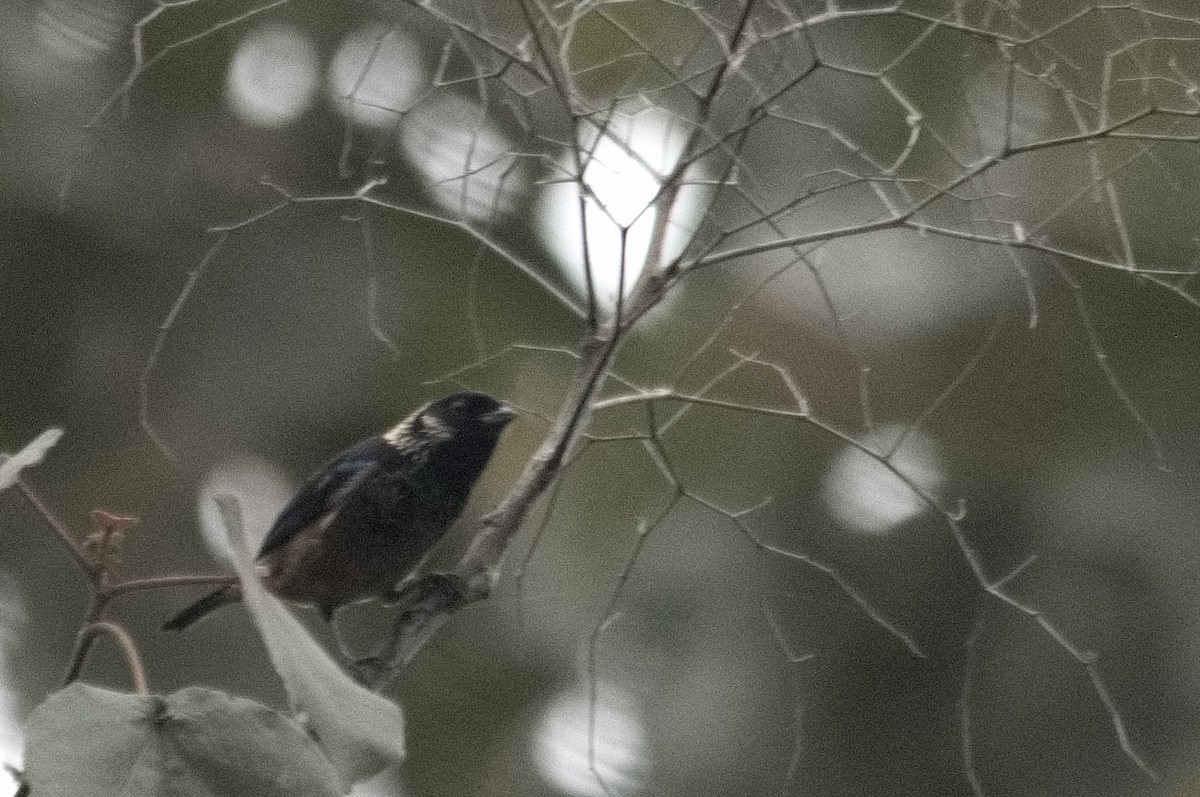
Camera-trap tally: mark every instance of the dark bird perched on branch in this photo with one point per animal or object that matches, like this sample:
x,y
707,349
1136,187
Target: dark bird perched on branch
x,y
366,519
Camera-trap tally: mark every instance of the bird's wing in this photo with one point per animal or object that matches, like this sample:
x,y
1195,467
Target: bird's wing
x,y
320,496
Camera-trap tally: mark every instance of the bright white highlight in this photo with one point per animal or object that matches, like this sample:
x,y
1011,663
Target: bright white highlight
x,y
375,76
562,744
466,163
624,165
34,452
12,619
259,487
272,77
864,496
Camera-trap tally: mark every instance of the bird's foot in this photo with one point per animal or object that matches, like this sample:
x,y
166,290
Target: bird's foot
x,y
451,586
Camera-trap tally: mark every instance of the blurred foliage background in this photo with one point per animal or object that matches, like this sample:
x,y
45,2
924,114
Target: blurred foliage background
x,y
717,666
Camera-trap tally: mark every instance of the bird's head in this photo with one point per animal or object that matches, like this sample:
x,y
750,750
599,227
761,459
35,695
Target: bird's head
x,y
459,416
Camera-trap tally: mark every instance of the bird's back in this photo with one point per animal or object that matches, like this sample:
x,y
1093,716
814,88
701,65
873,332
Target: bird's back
x,y
357,528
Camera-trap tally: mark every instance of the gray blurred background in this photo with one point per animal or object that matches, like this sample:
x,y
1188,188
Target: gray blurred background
x,y
717,666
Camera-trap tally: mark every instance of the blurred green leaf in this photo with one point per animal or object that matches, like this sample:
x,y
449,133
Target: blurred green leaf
x,y
361,732
197,742
32,454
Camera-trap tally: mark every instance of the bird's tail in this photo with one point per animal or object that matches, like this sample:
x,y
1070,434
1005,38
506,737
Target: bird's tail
x,y
201,608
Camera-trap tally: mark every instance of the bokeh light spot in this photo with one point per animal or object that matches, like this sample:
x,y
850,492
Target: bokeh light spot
x,y
578,763
863,495
376,75
626,164
273,76
260,488
465,161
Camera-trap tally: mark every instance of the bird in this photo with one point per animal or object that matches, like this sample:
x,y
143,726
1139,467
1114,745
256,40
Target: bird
x,y
367,517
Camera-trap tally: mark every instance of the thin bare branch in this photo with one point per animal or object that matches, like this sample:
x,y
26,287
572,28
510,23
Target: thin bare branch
x,y
125,643
61,532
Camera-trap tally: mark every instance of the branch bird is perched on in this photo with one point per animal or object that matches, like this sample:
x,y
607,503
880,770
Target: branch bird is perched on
x,y
366,518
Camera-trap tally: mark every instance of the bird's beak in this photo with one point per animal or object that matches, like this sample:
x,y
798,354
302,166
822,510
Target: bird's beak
x,y
499,416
